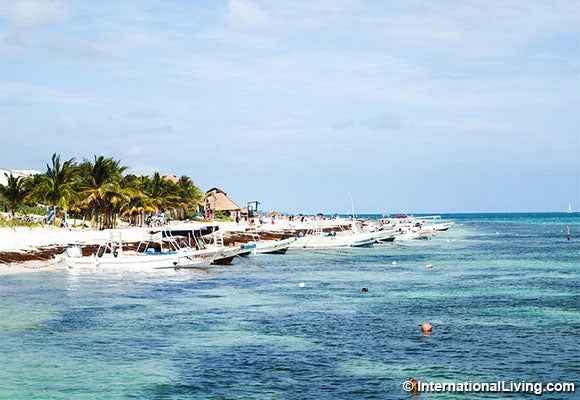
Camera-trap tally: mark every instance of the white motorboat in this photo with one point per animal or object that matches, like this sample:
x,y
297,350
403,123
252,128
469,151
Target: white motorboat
x,y
412,234
385,236
318,239
413,228
433,223
150,254
273,246
208,242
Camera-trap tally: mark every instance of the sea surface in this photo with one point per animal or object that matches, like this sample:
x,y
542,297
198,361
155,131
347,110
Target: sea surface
x,y
502,297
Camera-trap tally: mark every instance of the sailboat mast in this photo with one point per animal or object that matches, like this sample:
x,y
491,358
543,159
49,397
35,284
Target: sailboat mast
x,y
352,206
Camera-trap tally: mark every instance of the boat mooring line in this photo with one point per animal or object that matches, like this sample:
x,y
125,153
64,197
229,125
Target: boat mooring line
x,y
251,262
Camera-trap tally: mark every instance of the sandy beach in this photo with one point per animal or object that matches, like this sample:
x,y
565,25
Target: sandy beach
x,y
24,249
29,239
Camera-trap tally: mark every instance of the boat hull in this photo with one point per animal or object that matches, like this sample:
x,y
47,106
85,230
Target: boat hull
x,y
228,255
274,247
139,261
328,242
385,236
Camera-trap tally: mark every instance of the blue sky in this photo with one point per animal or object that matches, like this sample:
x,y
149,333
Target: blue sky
x,y
403,106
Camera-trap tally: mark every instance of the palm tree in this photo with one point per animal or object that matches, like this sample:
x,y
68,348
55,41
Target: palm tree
x,y
157,190
161,192
15,192
189,195
140,203
57,187
101,187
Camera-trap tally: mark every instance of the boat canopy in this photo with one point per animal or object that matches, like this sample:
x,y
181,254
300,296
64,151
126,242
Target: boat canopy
x,y
190,233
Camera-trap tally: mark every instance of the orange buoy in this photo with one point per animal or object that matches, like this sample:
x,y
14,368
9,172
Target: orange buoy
x,y
426,328
414,385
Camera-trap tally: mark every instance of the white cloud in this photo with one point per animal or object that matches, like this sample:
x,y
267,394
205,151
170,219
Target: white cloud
x,y
33,13
128,43
246,15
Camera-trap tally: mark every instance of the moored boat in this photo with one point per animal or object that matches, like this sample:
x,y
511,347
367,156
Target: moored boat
x,y
273,246
208,242
385,236
318,239
150,254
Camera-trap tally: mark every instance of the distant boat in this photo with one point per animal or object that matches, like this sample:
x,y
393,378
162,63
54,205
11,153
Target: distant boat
x,y
318,239
569,208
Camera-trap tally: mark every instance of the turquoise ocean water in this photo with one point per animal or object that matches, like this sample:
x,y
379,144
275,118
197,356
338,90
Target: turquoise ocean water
x,y
503,299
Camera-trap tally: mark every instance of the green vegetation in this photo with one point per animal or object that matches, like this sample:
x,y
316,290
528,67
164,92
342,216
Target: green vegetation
x,y
223,216
14,193
97,191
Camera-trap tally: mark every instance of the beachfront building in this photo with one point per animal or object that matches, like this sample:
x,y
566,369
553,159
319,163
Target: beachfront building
x,y
217,201
170,178
4,173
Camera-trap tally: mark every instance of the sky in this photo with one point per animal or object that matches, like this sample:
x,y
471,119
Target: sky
x,y
397,106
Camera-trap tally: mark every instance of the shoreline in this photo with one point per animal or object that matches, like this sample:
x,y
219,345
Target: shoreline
x,y
29,266
24,249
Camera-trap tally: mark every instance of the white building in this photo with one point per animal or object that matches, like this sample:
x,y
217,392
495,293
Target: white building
x,y
16,173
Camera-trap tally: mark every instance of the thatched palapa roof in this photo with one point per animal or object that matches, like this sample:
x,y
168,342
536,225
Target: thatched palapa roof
x,y
217,200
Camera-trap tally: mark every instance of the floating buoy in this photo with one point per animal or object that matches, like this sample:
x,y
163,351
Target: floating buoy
x,y
394,263
426,327
429,266
414,385
365,289
301,284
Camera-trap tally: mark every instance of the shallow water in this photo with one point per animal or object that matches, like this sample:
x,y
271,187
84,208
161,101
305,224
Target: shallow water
x,y
502,298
